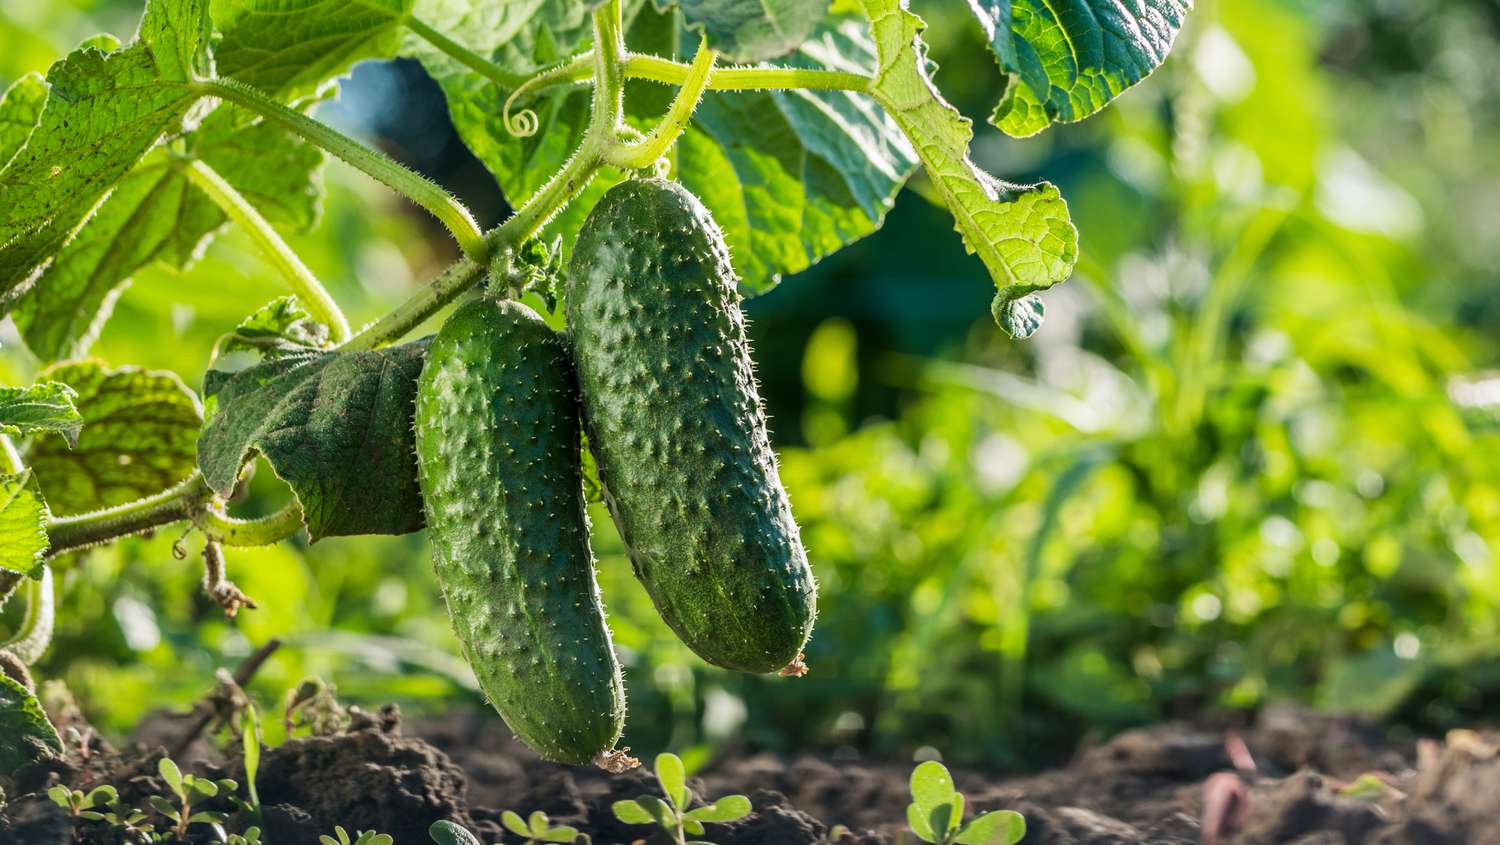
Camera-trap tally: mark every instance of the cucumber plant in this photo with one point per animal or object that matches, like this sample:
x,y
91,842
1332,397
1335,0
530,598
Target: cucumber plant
x,y
783,134
936,813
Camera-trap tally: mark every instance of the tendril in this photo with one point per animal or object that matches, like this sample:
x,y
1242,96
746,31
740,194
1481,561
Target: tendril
x,y
525,123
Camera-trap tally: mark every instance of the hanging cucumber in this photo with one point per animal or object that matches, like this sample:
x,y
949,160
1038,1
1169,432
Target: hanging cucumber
x,y
675,421
498,453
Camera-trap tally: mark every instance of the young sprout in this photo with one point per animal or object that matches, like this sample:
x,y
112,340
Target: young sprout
x,y
673,815
936,813
538,828
251,836
189,790
364,837
80,805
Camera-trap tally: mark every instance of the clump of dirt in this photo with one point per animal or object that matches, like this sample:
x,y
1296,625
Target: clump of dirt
x,y
1290,777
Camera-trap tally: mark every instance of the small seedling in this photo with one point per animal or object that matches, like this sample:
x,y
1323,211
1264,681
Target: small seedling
x,y
251,836
189,790
936,813
364,837
81,805
673,815
538,828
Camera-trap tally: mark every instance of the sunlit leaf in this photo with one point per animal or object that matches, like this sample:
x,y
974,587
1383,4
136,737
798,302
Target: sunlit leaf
x,y
1021,233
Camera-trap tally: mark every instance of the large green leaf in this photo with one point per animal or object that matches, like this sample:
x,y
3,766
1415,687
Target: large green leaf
x,y
26,735
336,426
104,111
20,107
157,214
790,176
1069,58
1021,233
23,525
753,30
45,406
139,430
289,48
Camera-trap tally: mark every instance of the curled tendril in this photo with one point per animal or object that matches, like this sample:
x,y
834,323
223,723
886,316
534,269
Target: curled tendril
x,y
522,124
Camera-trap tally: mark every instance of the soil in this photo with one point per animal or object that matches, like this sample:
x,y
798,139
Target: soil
x,y
1289,778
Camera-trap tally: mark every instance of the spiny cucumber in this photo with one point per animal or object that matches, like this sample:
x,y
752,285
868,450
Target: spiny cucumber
x,y
498,453
675,420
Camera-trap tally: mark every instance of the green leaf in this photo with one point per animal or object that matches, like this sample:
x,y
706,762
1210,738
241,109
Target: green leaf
x,y
289,48
672,776
1021,233
336,426
139,430
753,30
931,785
515,824
26,735
1020,318
23,525
280,327
20,107
538,822
790,176
170,773
631,812
559,834
1069,60
692,826
448,833
177,33
793,176
919,823
44,406
727,809
103,113
157,214
1003,827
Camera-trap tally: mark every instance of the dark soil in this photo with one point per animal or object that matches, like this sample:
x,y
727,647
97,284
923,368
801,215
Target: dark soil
x,y
1282,780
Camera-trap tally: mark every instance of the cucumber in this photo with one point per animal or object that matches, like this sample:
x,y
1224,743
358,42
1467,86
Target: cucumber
x,y
675,421
498,458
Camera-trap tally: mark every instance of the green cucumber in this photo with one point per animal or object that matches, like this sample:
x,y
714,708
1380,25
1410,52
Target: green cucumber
x,y
675,421
498,457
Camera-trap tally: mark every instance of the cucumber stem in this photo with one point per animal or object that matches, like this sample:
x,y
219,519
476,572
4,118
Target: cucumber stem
x,y
79,531
379,166
226,530
463,55
644,153
303,283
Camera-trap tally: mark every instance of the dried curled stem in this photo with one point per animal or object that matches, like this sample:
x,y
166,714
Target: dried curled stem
x,y
216,582
796,669
616,762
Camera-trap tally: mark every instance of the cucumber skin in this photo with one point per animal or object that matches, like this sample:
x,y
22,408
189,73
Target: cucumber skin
x,y
498,456
675,421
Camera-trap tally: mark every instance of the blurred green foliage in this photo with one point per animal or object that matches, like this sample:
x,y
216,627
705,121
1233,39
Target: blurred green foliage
x,y
1243,461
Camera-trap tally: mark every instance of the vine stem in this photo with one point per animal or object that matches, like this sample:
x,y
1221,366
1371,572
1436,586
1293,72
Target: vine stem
x,y
643,153
222,528
381,167
80,531
463,55
35,633
533,214
304,284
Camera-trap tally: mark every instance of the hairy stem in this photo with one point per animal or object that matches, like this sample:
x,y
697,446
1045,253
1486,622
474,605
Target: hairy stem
x,y
523,124
761,78
303,283
80,531
226,530
35,634
669,72
645,152
381,167
463,55
609,76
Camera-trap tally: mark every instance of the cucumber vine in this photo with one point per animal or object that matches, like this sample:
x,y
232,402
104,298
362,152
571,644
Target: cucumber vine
x,y
114,127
